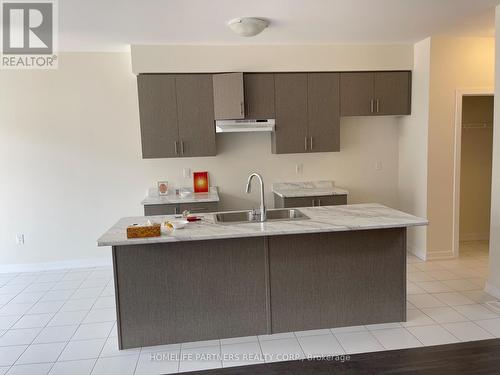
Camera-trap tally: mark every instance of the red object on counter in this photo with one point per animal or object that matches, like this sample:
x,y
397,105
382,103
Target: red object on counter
x,y
200,182
193,218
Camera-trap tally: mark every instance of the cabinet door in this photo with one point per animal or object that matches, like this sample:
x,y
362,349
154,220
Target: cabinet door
x,y
199,208
356,94
331,200
323,112
228,96
195,114
259,95
392,93
158,115
300,202
160,209
290,135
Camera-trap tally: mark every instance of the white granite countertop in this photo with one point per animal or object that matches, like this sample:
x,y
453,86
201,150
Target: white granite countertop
x,y
321,219
211,196
307,189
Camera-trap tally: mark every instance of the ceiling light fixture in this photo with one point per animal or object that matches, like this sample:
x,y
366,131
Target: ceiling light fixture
x,y
247,26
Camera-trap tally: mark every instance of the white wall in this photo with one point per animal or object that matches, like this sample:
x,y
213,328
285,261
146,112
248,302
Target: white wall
x,y
71,163
270,58
456,63
493,284
413,130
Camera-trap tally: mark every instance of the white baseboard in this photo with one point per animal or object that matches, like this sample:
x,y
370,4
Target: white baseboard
x,y
419,253
440,255
492,289
49,266
474,236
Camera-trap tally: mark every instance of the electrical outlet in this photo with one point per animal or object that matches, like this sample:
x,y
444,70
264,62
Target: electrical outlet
x,y
186,172
378,166
20,239
299,168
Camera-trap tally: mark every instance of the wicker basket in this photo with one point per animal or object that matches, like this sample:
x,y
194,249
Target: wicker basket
x,y
143,231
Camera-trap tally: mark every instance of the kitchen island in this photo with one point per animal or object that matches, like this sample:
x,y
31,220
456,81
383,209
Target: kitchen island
x,y
345,265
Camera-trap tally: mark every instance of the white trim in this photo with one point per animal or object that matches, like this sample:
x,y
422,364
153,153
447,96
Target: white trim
x,y
48,266
474,236
439,255
492,290
460,93
419,253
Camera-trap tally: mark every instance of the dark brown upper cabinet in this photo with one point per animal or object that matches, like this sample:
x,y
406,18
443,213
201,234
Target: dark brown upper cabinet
x,y
259,95
307,113
195,112
243,95
158,115
229,100
323,110
392,93
176,115
375,93
290,133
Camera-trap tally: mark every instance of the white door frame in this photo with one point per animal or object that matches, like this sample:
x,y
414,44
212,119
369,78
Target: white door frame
x,y
460,93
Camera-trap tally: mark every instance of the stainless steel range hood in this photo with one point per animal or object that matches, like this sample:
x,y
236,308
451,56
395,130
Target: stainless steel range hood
x,y
240,126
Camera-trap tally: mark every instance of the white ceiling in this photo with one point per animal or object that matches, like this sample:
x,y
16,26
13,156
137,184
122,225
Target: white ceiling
x,y
97,25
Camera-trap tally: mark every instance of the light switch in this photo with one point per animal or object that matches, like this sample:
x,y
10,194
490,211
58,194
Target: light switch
x,y
299,168
186,172
378,166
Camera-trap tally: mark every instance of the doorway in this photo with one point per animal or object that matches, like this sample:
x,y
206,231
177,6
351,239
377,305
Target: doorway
x,y
473,170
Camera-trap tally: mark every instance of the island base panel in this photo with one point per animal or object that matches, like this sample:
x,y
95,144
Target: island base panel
x,y
337,279
190,291
200,290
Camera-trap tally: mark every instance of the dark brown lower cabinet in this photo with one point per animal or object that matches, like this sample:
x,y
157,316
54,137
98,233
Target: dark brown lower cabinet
x,y
190,291
172,209
337,279
200,290
326,200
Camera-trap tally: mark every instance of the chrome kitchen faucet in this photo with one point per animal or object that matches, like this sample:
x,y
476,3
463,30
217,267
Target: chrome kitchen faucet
x,y
263,214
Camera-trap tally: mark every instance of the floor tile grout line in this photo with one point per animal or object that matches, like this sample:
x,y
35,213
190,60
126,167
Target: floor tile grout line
x,y
261,350
67,342
300,345
427,293
376,339
109,333
42,328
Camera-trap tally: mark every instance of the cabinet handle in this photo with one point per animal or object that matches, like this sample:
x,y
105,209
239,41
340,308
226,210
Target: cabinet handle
x,y
176,149
182,147
378,107
242,108
305,143
371,106
176,211
313,202
311,143
319,202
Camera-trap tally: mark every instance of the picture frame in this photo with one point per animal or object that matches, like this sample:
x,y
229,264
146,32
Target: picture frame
x,y
201,182
163,188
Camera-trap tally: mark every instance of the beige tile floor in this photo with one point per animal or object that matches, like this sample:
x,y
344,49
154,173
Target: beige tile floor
x,y
63,322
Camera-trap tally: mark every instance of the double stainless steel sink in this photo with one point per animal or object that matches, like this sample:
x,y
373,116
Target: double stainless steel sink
x,y
251,216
